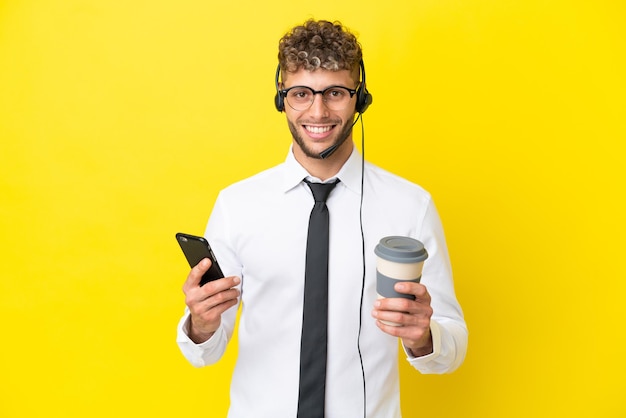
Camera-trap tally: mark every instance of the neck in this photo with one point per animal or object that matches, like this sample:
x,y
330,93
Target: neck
x,y
326,168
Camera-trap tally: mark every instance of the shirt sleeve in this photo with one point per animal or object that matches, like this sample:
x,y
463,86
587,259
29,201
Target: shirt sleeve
x,y
448,328
210,351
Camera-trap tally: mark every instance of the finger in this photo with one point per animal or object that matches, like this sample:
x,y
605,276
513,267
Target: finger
x,y
401,306
214,305
223,300
406,325
216,286
418,290
201,296
396,305
413,337
195,275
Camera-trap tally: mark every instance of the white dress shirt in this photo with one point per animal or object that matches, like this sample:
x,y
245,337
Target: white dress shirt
x,y
258,231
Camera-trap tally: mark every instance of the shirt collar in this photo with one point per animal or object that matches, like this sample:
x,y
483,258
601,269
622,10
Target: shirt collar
x,y
349,174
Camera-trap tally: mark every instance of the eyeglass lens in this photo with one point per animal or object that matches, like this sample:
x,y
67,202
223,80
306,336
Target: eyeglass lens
x,y
335,98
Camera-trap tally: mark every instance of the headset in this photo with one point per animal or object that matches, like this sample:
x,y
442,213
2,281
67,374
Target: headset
x,y
363,97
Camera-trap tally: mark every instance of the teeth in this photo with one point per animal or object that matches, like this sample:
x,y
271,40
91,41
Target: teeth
x,y
318,129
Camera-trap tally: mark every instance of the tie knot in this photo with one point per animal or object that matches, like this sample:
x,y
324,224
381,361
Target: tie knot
x,y
321,191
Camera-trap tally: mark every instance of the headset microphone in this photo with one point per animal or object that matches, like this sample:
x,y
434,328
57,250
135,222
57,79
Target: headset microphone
x,y
326,153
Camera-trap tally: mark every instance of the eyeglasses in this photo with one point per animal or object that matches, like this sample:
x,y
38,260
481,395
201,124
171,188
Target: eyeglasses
x,y
302,97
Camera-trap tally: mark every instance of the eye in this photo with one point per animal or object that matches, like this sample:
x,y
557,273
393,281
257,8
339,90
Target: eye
x,y
335,93
299,94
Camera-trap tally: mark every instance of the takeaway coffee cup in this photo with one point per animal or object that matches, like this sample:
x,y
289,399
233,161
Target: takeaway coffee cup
x,y
399,259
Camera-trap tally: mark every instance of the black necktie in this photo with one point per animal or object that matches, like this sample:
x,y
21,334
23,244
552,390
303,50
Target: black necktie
x,y
315,316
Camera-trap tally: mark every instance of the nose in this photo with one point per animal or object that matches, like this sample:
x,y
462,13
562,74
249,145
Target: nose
x,y
318,107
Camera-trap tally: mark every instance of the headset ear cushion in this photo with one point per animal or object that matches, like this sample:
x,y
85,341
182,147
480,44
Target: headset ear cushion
x,y
279,102
363,99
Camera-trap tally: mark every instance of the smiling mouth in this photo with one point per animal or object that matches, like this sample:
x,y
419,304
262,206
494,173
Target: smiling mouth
x,y
318,129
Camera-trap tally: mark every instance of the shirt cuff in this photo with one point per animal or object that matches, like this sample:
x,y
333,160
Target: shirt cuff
x,y
198,354
435,333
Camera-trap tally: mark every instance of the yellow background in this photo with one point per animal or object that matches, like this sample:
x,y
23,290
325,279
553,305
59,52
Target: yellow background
x,y
121,120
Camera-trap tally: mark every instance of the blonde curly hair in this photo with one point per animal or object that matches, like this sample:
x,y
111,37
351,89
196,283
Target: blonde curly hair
x,y
319,44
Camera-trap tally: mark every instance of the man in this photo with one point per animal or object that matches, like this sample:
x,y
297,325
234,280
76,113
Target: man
x,y
258,230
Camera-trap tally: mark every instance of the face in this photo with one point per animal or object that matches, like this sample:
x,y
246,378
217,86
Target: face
x,y
318,128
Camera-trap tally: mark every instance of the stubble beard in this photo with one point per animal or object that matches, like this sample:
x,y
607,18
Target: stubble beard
x,y
341,138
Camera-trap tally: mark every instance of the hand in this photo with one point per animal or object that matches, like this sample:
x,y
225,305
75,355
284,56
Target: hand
x,y
413,317
207,303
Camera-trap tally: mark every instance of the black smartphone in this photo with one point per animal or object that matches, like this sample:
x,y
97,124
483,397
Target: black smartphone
x,y
195,249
